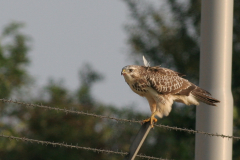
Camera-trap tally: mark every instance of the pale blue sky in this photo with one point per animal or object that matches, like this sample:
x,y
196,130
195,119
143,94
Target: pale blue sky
x,y
68,33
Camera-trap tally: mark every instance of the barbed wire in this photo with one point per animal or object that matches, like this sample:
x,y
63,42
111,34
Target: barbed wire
x,y
54,144
67,111
191,131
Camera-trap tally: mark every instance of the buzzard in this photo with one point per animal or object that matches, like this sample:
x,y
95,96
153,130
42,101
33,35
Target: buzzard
x,y
161,87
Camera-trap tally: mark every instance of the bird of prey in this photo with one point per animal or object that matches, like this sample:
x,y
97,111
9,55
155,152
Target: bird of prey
x,y
161,87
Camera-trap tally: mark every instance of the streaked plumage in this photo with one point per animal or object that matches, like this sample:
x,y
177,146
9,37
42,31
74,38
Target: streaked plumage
x,y
162,86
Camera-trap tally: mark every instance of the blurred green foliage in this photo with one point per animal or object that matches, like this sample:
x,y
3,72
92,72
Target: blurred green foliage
x,y
168,36
13,59
52,126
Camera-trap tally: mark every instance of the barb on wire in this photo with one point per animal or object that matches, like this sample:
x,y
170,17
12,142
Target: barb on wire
x,y
75,147
195,131
67,111
120,120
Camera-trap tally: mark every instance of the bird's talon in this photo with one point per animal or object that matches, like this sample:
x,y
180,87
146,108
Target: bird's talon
x,y
146,120
154,119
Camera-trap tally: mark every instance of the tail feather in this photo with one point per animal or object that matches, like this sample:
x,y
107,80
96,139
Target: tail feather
x,y
205,98
203,91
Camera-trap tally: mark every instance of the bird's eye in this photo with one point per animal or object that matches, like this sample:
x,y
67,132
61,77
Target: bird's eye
x,y
130,70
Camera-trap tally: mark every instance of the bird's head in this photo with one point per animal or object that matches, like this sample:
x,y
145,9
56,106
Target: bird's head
x,y
130,72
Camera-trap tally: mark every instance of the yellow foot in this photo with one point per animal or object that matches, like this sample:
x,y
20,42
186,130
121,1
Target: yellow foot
x,y
151,119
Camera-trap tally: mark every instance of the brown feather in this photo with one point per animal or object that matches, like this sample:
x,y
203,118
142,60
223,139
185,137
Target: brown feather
x,y
205,98
187,91
166,81
198,89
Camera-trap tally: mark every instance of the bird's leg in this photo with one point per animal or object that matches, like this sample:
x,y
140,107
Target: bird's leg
x,y
151,119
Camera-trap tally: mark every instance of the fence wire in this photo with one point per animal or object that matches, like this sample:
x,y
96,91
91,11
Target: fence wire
x,y
54,144
191,131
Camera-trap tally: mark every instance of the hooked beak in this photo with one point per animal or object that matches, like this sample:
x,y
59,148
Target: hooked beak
x,y
123,72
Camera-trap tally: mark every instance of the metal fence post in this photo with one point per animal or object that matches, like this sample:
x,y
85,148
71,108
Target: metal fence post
x,y
138,141
215,76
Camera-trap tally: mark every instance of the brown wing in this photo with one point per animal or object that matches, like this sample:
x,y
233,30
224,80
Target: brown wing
x,y
166,81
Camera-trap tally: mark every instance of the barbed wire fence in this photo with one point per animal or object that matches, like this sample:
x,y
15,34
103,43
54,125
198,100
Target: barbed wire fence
x,y
190,131
54,144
